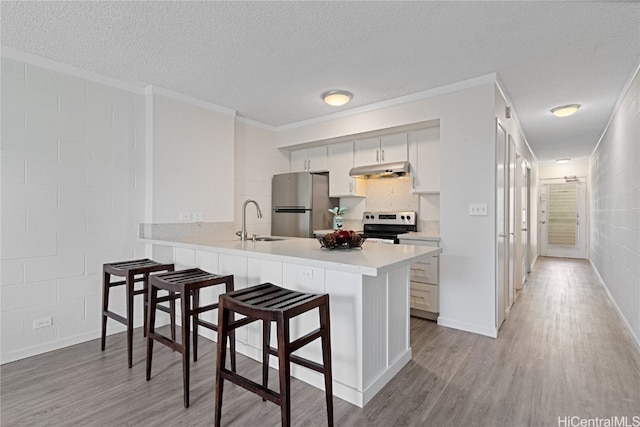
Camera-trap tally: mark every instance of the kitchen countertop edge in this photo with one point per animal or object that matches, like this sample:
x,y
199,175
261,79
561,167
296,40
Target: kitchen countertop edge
x,y
338,260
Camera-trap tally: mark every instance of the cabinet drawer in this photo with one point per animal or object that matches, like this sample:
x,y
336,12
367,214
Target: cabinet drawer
x,y
425,272
424,297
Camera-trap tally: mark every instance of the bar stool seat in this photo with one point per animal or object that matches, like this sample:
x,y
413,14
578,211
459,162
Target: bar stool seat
x,y
186,285
270,303
133,271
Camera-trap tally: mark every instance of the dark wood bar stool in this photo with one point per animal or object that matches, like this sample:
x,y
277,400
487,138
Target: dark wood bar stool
x,y
133,271
271,303
186,285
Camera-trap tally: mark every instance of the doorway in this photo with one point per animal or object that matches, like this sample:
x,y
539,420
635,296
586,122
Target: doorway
x,y
563,219
502,224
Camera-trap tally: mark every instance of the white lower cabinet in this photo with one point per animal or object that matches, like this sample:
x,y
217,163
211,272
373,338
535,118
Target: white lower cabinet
x,y
423,292
424,297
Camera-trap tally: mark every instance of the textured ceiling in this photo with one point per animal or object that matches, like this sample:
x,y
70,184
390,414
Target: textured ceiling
x,y
270,61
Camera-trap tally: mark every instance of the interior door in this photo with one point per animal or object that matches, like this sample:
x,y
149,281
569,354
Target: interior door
x,y
524,223
511,221
502,264
563,220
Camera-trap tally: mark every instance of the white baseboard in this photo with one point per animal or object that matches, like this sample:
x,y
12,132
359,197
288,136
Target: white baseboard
x,y
46,347
468,327
635,339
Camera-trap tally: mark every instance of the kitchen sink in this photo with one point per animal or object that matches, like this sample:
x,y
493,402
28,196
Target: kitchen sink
x,y
268,239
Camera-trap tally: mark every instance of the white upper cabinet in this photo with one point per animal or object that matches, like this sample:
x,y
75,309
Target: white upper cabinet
x,y
310,160
340,163
424,156
386,149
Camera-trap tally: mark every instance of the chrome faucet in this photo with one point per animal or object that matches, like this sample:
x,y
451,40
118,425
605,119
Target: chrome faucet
x,y
243,231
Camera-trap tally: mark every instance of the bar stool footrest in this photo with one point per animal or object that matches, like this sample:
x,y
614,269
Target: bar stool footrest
x,y
252,386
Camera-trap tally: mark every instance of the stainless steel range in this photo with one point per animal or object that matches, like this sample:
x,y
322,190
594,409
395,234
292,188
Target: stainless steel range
x,y
384,227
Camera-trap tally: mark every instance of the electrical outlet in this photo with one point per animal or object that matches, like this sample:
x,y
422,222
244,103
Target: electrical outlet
x,y
198,217
43,322
478,209
306,273
186,216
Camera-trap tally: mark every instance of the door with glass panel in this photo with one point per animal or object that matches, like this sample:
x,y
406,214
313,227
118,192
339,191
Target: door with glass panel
x,y
563,220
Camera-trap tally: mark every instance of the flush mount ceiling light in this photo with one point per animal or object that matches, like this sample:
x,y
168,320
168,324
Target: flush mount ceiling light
x,y
563,161
565,110
337,97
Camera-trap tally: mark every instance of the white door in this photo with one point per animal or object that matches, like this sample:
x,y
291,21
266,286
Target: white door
x,y
563,220
524,223
511,224
502,253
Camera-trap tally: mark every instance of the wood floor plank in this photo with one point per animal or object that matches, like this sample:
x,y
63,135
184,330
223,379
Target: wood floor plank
x,y
563,351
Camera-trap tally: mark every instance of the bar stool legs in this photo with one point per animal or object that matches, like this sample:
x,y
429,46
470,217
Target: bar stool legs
x,y
186,284
129,270
271,303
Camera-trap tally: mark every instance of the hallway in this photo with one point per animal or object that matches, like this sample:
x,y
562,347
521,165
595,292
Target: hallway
x,y
563,352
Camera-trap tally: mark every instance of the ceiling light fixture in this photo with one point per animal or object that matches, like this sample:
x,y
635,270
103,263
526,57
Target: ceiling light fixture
x,y
337,98
565,110
563,161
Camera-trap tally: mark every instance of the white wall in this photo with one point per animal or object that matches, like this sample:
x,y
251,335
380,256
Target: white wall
x,y
467,289
72,194
256,161
615,208
553,170
193,160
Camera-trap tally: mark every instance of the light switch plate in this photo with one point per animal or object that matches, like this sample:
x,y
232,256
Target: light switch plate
x,y
186,216
478,209
198,217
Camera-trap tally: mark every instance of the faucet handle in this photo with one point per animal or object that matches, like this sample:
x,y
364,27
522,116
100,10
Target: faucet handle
x,y
239,233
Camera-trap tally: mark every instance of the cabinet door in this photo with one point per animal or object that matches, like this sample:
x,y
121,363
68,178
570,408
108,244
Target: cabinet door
x,y
299,160
340,163
424,297
317,159
393,148
424,156
367,152
425,272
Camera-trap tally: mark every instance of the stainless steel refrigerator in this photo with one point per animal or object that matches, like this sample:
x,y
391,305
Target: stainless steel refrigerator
x,y
301,203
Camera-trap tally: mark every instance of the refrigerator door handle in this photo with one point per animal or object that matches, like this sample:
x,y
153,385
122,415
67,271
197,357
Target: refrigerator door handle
x,y
290,209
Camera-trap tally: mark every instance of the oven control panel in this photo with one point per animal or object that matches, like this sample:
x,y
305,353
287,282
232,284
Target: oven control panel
x,y
391,218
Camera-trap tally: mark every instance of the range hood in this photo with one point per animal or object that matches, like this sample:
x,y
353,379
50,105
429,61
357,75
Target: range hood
x,y
384,170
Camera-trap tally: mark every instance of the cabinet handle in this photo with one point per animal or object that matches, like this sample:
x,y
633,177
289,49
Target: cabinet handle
x,y
309,164
382,154
377,156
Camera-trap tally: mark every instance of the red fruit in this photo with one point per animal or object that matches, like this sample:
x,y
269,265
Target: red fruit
x,y
342,236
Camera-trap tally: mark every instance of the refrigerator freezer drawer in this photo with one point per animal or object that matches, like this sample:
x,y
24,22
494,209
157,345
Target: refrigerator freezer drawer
x,y
291,224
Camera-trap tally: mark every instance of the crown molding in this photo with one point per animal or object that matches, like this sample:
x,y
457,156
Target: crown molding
x,y
157,90
256,123
616,107
418,96
38,61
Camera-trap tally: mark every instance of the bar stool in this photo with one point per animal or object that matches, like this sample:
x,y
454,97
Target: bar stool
x,y
129,270
186,283
271,303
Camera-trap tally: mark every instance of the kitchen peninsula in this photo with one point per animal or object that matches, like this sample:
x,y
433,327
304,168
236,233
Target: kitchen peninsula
x,y
369,300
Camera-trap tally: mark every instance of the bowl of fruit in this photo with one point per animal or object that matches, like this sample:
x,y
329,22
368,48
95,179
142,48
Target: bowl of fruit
x,y
341,239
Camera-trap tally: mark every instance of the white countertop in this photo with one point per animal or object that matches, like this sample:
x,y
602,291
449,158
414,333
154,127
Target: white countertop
x,y
418,235
372,260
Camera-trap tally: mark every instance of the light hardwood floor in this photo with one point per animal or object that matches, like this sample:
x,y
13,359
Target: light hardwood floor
x,y
563,352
